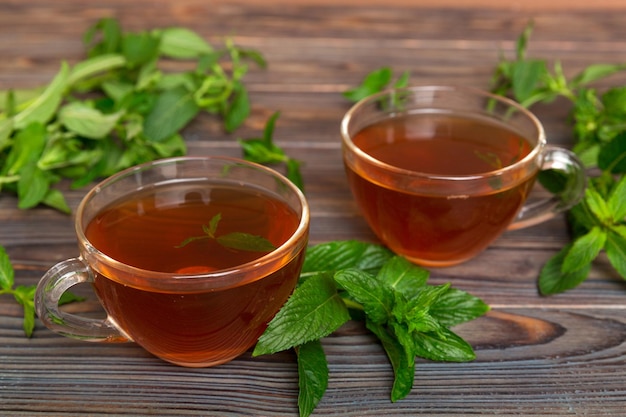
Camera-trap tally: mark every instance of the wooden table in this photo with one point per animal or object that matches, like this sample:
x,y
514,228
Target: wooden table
x,y
559,356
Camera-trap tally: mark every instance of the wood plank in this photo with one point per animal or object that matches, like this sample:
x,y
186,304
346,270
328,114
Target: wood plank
x,y
536,356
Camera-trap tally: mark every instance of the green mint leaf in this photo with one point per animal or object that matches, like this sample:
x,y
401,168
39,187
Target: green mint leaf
x,y
111,37
117,90
293,173
42,109
28,145
238,109
94,66
187,241
86,121
522,41
612,155
619,229
212,227
616,252
140,48
254,56
173,110
182,43
365,289
455,307
597,205
235,240
246,242
373,82
584,250
264,151
595,72
7,274
404,371
313,311
32,187
312,376
338,255
25,296
581,220
526,76
403,276
552,279
617,200
404,337
414,310
443,345
268,130
403,80
173,146
55,199
257,150
6,128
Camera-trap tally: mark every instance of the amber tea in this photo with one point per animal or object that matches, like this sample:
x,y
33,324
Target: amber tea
x,y
146,232
432,226
190,257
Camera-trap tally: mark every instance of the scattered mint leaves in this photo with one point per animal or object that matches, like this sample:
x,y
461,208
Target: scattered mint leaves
x,y
116,108
235,240
410,317
598,221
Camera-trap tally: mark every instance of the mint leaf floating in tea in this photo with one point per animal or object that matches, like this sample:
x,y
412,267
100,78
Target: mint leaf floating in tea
x,y
245,241
234,240
350,279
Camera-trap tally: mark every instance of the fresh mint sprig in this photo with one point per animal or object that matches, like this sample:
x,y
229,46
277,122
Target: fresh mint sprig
x,y
234,240
264,151
349,279
598,222
24,294
374,82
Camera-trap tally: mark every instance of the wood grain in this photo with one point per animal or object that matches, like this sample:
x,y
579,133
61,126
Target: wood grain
x,y
536,356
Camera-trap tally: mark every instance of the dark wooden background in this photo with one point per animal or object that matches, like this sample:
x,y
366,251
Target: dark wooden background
x,y
557,356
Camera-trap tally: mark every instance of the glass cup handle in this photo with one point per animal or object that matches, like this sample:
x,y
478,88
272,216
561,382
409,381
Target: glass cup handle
x,y
51,287
558,159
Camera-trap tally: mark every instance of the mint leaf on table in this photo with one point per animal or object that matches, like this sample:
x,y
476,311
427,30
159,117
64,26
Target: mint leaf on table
x,y
172,110
598,221
552,279
264,151
374,82
311,363
315,310
7,274
351,279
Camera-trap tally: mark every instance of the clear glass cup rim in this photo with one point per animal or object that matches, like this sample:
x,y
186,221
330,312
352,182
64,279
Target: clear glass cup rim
x,y
214,279
529,158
